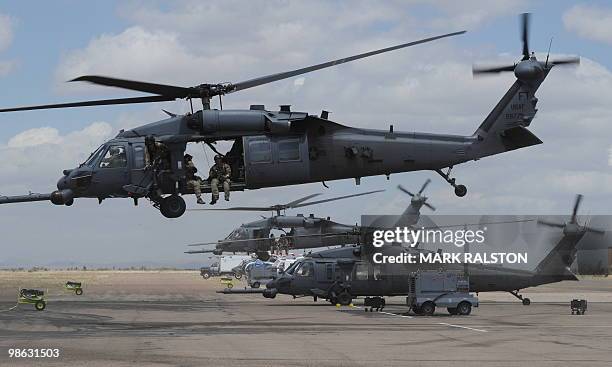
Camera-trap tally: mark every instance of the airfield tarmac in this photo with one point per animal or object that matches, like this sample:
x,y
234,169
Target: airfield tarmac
x,y
177,318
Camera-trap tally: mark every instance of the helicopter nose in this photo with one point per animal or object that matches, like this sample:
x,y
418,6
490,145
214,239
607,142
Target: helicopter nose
x,y
63,183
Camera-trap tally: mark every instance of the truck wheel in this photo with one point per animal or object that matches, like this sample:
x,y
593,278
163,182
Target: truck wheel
x,y
452,310
237,276
172,206
464,308
40,305
428,308
78,291
345,298
206,275
255,285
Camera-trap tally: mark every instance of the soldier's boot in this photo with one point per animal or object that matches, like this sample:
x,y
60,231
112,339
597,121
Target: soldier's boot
x,y
214,200
226,189
200,201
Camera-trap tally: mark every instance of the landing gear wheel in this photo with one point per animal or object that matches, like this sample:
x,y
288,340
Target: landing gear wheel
x,y
464,308
333,301
69,202
78,292
417,310
460,190
526,301
206,275
230,286
256,285
172,206
40,305
237,276
345,298
428,308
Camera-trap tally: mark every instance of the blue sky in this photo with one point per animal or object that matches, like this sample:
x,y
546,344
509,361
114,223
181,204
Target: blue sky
x,y
426,88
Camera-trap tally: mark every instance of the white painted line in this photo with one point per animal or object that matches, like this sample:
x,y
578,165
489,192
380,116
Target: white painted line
x,y
394,314
462,327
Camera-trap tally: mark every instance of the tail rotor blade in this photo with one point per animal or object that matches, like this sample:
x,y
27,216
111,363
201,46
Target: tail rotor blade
x,y
477,70
576,207
424,186
551,224
525,34
401,188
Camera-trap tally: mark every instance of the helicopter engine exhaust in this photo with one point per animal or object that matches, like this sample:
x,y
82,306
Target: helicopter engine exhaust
x,y
240,121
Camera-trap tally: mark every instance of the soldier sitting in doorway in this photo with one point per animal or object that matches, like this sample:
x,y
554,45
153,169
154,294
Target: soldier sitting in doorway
x,y
220,173
193,182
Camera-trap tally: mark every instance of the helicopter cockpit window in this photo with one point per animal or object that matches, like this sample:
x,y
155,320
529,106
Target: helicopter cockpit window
x,y
114,158
289,150
306,270
292,267
260,151
94,156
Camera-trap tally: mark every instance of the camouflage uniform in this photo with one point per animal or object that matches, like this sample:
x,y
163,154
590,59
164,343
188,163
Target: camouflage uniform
x,y
220,172
193,181
283,244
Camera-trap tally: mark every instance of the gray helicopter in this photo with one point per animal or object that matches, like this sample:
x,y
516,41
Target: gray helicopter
x,y
301,231
342,274
279,148
304,232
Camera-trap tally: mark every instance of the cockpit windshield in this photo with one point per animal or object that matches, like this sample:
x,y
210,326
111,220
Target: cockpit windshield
x,y
292,267
93,157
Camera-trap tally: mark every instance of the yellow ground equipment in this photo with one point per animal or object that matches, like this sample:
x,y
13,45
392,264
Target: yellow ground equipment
x,y
229,284
34,297
75,287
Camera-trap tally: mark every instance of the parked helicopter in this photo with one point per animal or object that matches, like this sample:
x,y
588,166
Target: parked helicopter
x,y
341,274
304,232
278,148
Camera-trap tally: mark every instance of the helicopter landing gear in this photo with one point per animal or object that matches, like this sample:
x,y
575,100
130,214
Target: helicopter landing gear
x,y
172,206
460,190
526,301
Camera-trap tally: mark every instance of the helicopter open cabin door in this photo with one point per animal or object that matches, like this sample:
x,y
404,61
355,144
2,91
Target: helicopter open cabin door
x,y
275,161
137,167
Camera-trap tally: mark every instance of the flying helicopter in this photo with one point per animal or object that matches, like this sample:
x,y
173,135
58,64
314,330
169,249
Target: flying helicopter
x,y
300,231
342,274
279,148
305,232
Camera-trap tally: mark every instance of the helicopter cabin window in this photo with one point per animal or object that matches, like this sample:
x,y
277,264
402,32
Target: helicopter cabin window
x,y
376,274
260,151
361,271
289,150
306,270
114,158
139,157
329,271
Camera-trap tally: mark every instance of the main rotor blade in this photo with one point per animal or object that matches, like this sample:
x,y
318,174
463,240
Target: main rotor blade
x,y
153,88
336,198
238,208
595,230
576,206
551,224
295,202
525,34
424,186
566,61
429,206
401,188
199,251
101,102
280,76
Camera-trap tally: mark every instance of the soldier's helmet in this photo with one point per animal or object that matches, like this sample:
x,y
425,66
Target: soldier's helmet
x,y
218,158
188,157
114,150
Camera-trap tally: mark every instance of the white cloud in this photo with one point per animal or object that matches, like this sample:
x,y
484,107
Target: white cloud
x,y
6,38
590,21
37,156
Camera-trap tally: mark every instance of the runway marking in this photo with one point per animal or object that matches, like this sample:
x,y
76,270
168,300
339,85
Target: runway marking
x,y
462,327
394,314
